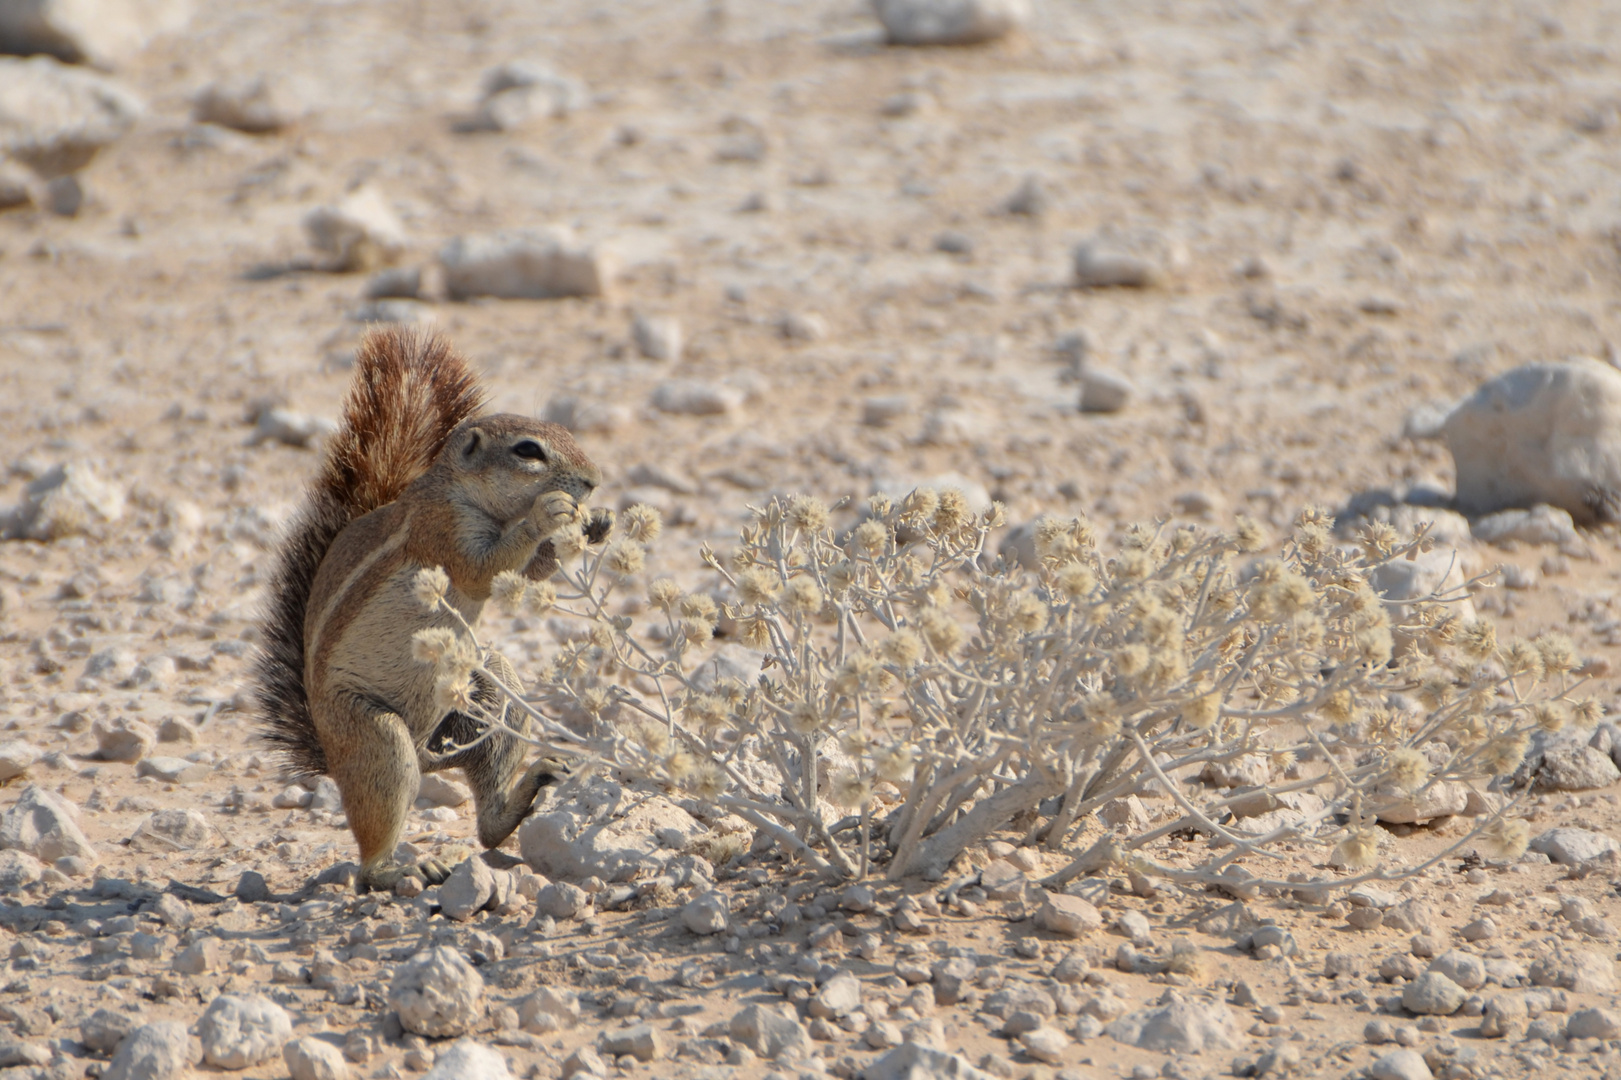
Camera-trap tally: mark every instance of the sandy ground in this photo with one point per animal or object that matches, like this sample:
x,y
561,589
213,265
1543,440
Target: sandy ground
x,y
1359,210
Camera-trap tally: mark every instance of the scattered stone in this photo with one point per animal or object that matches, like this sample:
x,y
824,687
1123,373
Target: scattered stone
x,y
1504,1015
802,326
172,770
911,1061
437,993
1029,199
19,869
16,758
160,1051
465,1059
769,1033
1104,391
657,337
240,1032
1593,1024
468,890
1578,970
706,914
46,826
174,830
1539,525
1576,768
602,834
584,1062
1465,969
1443,798
199,958
55,118
1176,1025
1410,916
1541,433
1400,1065
523,91
66,501
1571,846
1069,916
640,1041
1045,1044
524,265
1481,929
289,428
1432,994
104,1029
312,1059
255,104
689,397
101,34
549,1009
1099,267
361,233
838,996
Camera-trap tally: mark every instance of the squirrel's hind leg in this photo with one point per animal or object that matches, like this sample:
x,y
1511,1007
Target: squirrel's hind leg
x,y
377,774
503,790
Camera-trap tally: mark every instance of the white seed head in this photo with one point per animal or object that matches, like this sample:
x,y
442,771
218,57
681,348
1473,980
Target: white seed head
x,y
642,523
430,585
507,589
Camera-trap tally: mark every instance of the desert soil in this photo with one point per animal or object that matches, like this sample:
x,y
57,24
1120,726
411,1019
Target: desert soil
x,y
1358,210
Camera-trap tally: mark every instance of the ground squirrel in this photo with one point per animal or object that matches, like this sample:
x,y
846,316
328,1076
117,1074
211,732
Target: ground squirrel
x,y
414,478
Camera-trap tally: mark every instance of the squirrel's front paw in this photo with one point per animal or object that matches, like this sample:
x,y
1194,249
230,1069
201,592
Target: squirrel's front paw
x,y
554,510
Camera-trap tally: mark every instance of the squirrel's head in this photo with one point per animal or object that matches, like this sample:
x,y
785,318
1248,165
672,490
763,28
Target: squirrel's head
x,y
511,459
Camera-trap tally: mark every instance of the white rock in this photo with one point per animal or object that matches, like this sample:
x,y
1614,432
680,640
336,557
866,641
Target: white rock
x,y
360,233
1465,969
437,993
312,1059
1400,1065
769,1033
468,890
18,868
639,1041
1542,433
689,397
837,997
950,22
607,833
1442,798
240,1032
1431,573
588,416
46,826
1572,846
1104,391
199,958
101,33
159,1051
1069,916
1099,267
174,830
67,500
1581,971
1178,1026
524,265
104,1029
584,1062
657,337
1542,524
1505,1014
290,428
256,104
18,186
16,757
55,118
549,1009
561,900
1433,994
522,91
1576,768
1045,1044
468,1060
172,770
706,914
1593,1024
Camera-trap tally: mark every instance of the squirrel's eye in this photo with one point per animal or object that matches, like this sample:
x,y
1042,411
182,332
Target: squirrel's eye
x,y
530,450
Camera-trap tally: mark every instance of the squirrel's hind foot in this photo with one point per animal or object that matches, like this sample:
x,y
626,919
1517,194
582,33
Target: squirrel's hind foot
x,y
386,878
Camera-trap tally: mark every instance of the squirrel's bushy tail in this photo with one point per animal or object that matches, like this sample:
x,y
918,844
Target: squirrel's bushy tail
x,y
410,390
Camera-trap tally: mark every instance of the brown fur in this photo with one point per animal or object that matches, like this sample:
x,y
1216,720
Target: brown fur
x,y
475,506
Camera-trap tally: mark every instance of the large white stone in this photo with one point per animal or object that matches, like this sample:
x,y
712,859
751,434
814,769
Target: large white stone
x,y
46,826
1572,846
361,232
312,1059
1406,582
437,993
160,1051
522,91
469,1060
605,832
67,500
100,32
54,117
1177,1025
1542,433
240,1032
949,22
524,265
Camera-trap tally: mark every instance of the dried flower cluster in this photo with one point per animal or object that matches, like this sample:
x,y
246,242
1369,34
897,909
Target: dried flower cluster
x,y
909,694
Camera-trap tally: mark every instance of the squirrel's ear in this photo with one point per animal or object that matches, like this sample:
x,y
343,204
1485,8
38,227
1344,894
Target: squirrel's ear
x,y
474,440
